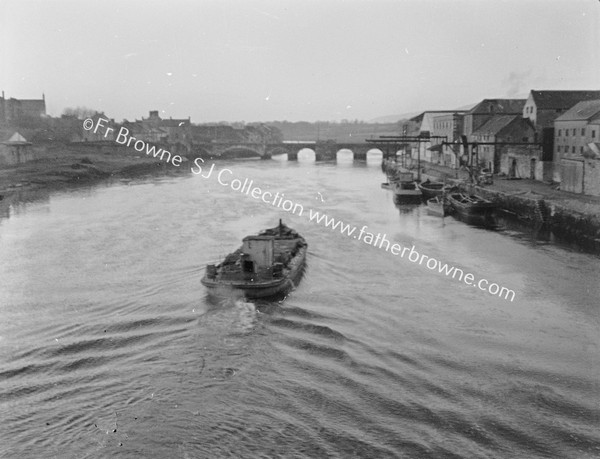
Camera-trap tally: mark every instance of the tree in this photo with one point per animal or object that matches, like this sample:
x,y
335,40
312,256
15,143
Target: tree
x,y
79,112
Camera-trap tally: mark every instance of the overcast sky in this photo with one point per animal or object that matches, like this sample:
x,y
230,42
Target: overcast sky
x,y
257,60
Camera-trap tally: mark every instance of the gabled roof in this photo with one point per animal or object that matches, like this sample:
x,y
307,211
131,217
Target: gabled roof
x,y
498,106
429,116
495,124
419,117
554,100
594,148
17,138
498,123
582,111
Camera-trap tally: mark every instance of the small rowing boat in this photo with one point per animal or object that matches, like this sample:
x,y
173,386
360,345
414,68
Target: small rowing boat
x,y
433,189
470,205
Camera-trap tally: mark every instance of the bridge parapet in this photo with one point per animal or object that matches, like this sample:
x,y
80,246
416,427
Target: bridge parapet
x,y
325,150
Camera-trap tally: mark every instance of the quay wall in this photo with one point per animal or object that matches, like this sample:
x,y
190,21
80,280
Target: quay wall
x,y
525,208
535,211
564,222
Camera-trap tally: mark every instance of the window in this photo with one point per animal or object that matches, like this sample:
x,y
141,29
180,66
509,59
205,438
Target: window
x,y
566,133
574,131
559,132
581,150
573,150
582,131
593,133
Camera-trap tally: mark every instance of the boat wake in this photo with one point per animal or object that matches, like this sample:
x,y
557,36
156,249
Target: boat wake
x,y
233,314
247,315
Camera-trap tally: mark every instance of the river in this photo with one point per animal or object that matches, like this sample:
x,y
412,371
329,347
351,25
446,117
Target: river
x,y
110,346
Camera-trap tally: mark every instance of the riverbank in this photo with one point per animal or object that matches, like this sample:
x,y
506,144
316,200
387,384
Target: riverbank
x,y
571,217
65,165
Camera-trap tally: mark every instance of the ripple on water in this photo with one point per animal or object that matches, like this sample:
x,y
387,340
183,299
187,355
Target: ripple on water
x,y
110,346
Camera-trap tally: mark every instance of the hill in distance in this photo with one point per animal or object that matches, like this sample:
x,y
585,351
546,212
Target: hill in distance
x,y
405,116
356,131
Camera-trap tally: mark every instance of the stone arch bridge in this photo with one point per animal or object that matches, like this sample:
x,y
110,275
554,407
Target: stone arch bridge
x,y
324,150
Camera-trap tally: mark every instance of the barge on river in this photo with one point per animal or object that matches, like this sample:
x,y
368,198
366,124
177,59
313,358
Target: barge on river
x,y
267,264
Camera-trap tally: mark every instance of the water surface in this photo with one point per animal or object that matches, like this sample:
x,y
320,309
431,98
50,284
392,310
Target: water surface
x,y
110,345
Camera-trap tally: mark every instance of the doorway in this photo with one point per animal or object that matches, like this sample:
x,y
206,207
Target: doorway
x,y
512,171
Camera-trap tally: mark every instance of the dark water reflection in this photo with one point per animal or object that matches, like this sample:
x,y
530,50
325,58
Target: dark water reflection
x,y
110,346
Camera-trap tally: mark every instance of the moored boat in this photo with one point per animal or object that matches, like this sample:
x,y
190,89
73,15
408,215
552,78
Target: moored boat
x,y
405,188
392,177
438,206
470,205
433,189
389,185
267,264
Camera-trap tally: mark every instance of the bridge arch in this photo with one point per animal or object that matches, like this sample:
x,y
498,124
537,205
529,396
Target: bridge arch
x,y
306,155
374,155
344,155
358,151
279,153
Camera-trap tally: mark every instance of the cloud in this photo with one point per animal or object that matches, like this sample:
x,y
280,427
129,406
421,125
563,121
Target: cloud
x,y
517,83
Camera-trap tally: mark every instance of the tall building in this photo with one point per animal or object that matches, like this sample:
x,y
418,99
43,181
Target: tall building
x,y
577,133
13,110
543,107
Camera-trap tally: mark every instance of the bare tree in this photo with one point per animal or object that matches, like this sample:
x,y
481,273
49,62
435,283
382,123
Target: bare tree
x,y
79,112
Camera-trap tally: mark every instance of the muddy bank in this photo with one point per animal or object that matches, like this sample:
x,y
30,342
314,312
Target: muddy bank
x,y
64,165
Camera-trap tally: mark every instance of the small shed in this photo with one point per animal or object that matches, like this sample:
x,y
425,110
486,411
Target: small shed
x,y
15,150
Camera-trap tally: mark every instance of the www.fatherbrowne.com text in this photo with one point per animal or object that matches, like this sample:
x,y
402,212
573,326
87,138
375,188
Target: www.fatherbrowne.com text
x,y
225,177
